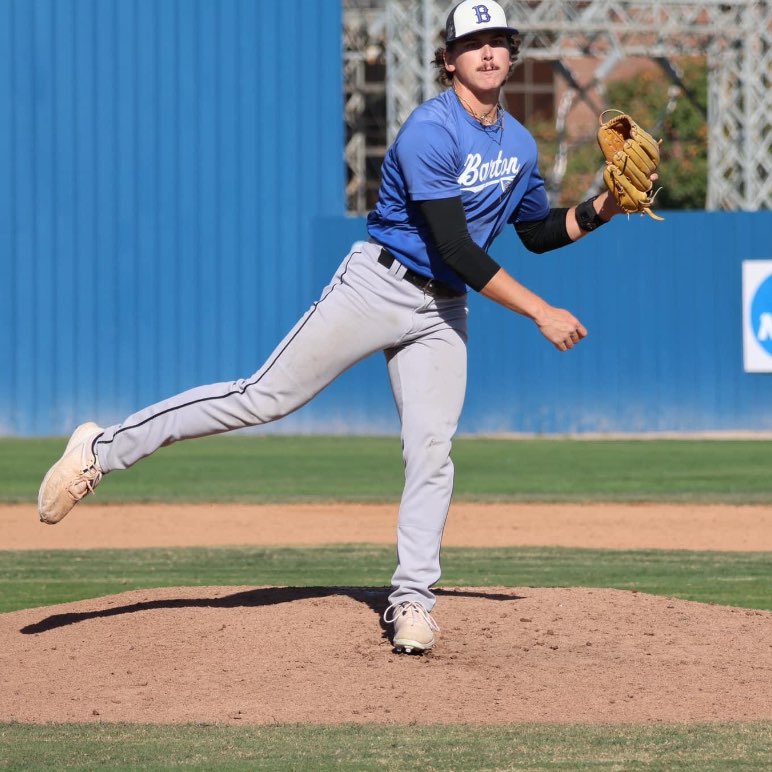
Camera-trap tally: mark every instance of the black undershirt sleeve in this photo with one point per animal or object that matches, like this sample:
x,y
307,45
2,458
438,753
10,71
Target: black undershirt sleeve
x,y
447,226
544,235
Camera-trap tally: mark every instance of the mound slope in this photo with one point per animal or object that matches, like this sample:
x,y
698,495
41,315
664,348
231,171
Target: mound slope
x,y
319,655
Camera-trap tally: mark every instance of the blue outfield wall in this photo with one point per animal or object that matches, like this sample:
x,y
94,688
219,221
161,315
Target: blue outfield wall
x,y
162,161
172,200
663,305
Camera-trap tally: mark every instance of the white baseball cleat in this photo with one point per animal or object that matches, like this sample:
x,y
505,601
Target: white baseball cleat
x,y
72,477
414,628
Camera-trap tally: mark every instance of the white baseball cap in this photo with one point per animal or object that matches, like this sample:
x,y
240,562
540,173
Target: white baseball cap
x,y
474,16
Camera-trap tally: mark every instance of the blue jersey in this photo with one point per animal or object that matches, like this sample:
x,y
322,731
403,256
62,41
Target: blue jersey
x,y
442,152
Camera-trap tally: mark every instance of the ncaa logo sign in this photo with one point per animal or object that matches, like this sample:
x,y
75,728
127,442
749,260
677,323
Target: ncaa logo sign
x,y
761,315
757,313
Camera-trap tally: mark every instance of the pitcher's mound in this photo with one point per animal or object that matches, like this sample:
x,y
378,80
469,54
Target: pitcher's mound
x,y
320,655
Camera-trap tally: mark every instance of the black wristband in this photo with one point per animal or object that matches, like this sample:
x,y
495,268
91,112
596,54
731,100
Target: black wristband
x,y
587,217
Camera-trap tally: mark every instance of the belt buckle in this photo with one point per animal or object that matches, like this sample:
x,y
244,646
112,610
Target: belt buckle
x,y
439,290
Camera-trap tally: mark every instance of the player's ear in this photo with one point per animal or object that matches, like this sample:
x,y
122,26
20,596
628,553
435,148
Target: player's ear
x,y
449,57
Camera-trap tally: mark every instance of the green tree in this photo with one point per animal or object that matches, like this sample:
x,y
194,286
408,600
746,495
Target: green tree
x,y
683,173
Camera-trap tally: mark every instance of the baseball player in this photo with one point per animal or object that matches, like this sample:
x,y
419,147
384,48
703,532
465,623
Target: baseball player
x,y
460,170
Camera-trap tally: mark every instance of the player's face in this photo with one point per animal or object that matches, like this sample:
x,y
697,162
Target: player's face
x,y
480,61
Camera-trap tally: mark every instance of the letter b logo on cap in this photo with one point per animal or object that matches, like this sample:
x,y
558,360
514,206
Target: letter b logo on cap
x,y
482,13
470,16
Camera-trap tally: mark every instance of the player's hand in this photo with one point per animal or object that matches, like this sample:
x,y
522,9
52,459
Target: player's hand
x,y
560,327
608,205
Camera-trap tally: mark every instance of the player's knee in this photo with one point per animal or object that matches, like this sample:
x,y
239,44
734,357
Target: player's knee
x,y
429,451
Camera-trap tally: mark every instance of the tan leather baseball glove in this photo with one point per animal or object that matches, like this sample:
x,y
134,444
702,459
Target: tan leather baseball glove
x,y
632,156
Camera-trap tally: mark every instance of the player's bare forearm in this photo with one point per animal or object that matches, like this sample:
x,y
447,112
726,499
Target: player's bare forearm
x,y
558,326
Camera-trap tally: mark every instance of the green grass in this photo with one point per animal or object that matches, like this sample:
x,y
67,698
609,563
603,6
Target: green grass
x,y
278,468
40,578
706,747
271,468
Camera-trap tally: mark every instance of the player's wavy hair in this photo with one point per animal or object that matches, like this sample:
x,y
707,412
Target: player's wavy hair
x,y
445,78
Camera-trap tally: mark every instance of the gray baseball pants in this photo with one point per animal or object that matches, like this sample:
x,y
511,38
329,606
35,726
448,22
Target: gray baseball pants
x,y
366,308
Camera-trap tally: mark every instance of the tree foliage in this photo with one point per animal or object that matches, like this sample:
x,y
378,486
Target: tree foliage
x,y
683,173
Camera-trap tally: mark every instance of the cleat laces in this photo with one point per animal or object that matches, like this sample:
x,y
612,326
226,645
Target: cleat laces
x,y
89,477
414,610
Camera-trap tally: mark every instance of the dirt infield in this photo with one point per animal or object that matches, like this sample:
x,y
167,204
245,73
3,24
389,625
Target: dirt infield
x,y
609,526
320,655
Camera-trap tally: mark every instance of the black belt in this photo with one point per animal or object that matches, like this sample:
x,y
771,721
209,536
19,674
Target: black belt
x,y
430,286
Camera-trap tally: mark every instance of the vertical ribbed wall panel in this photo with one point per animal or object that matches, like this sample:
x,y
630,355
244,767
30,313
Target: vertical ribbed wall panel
x,y
663,305
171,200
9,336
163,162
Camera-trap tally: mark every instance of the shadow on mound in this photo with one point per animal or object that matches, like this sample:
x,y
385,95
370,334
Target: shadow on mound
x,y
376,598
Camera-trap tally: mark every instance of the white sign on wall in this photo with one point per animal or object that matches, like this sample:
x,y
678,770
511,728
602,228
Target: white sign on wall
x,y
757,316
